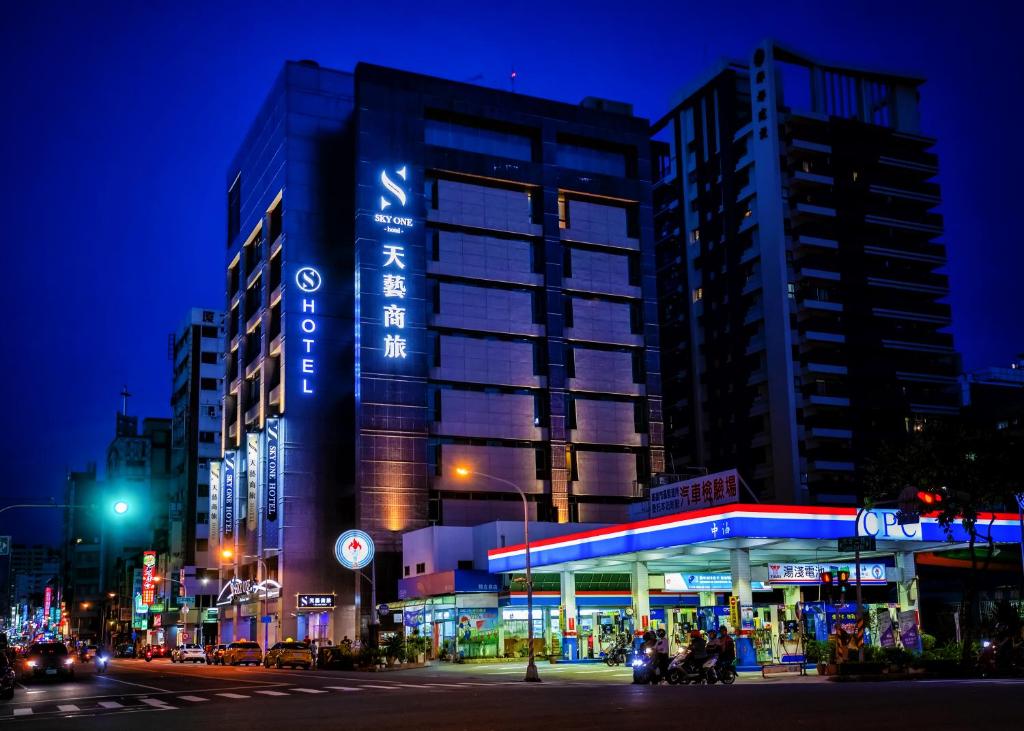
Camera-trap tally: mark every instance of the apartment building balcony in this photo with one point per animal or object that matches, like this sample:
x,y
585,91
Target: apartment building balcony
x,y
810,307
826,275
799,178
252,414
934,255
826,465
806,244
922,347
821,432
931,225
829,401
939,287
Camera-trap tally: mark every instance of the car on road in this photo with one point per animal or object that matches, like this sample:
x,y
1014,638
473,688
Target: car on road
x,y
48,659
242,653
126,651
7,677
188,653
215,654
293,654
86,653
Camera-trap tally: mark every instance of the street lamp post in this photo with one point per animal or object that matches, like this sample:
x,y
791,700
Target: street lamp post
x,y
532,675
261,562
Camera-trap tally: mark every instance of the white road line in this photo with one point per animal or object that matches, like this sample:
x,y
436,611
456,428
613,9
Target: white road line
x,y
232,695
68,707
441,685
156,703
382,687
22,711
140,685
270,692
481,684
308,690
110,704
193,698
342,687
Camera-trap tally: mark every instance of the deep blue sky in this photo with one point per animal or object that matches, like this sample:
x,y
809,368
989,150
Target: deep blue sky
x,y
119,119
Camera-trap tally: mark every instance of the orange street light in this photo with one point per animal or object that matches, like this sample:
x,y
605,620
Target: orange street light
x,y
227,553
462,471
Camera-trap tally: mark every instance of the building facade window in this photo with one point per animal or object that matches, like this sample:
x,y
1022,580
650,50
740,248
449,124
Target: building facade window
x,y
482,139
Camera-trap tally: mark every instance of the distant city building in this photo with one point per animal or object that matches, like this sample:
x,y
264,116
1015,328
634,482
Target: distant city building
x,y
803,314
421,275
197,388
33,570
993,398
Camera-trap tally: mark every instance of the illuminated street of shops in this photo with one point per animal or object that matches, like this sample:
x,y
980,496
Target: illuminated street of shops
x,y
484,697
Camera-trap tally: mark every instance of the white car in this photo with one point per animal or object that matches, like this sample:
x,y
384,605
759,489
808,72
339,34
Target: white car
x,y
188,653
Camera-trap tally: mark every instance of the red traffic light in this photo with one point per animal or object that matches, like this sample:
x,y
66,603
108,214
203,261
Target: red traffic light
x,y
826,578
928,498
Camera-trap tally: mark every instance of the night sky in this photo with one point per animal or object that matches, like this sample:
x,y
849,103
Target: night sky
x,y
119,120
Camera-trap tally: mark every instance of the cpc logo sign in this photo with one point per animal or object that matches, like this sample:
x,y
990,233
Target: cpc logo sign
x,y
884,525
354,549
308,279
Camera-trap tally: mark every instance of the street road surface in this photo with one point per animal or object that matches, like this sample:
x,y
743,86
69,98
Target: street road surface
x,y
493,697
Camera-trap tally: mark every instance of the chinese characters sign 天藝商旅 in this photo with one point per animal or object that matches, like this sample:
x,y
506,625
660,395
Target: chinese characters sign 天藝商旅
x,y
394,285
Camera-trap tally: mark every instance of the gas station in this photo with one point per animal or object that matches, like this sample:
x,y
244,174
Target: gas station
x,y
754,568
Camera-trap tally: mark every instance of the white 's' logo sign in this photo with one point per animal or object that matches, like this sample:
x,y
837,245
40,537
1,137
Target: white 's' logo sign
x,y
392,188
308,279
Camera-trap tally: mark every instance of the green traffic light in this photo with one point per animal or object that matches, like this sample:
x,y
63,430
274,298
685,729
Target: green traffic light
x,y
120,507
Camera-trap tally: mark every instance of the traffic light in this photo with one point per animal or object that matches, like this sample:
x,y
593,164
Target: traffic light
x,y
844,579
929,499
826,579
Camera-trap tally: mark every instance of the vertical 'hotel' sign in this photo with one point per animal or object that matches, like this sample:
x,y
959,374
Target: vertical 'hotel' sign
x,y
393,251
229,494
252,443
309,281
273,435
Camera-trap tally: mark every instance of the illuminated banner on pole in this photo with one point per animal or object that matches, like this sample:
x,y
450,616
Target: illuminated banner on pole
x,y
309,281
252,463
273,433
47,598
148,571
229,494
214,498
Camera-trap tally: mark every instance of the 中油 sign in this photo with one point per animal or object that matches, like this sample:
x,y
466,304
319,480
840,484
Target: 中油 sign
x,y
354,549
707,491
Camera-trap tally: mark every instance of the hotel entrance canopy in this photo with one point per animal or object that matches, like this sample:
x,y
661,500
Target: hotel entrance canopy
x,y
703,539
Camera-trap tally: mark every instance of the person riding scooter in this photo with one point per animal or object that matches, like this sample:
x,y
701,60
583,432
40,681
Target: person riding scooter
x,y
661,653
697,651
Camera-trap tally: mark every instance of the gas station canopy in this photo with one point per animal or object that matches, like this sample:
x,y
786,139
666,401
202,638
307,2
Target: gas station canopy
x,y
703,539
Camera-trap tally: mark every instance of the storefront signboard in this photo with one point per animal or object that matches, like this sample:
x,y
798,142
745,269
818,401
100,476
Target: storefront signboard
x,y
315,601
707,491
214,515
252,454
810,573
706,582
884,525
354,549
148,572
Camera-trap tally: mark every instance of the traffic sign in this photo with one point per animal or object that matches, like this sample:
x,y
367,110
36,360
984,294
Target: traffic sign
x,y
858,543
354,549
265,619
5,545
185,636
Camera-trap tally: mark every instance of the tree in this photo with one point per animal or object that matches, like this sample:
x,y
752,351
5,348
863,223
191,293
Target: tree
x,y
975,471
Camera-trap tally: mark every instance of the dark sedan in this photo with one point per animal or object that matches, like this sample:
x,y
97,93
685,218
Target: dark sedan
x,y
48,660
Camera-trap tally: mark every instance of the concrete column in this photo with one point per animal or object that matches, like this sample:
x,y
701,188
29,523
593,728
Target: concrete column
x,y
908,570
570,643
640,584
739,566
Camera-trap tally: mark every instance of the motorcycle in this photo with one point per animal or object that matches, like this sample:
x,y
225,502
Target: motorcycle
x,y
683,670
618,653
149,654
645,667
102,663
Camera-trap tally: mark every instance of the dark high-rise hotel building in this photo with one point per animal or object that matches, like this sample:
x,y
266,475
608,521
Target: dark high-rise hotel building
x,y
802,306
422,275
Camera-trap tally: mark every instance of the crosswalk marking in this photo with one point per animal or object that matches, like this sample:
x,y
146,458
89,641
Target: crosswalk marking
x,y
342,687
232,695
308,690
156,703
68,707
270,692
22,711
381,687
193,698
110,704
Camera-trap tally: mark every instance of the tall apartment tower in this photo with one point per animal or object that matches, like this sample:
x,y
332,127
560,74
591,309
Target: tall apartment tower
x,y
197,387
802,306
424,275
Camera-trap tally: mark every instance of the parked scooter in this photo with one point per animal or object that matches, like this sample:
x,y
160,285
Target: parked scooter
x,y
618,653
